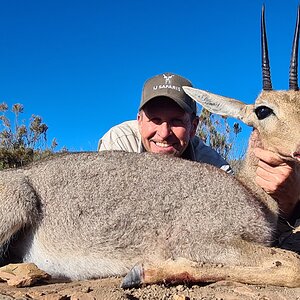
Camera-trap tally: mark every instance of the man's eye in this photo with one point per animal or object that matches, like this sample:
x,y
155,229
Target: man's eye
x,y
177,122
263,112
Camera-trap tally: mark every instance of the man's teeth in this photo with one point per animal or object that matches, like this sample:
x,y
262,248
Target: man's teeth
x,y
163,145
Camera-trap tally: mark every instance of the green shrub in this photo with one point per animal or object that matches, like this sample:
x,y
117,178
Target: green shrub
x,y
21,144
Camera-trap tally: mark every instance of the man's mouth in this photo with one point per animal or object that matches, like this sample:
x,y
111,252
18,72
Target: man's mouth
x,y
162,145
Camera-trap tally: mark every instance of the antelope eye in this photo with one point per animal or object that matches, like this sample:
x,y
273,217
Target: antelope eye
x,y
262,112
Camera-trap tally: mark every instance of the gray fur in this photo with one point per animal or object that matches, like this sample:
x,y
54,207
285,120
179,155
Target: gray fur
x,y
87,215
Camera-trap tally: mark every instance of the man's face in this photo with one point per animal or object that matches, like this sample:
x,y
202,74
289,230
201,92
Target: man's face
x,y
165,127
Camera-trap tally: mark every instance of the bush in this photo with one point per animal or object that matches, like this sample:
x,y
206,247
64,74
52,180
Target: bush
x,y
216,132
21,144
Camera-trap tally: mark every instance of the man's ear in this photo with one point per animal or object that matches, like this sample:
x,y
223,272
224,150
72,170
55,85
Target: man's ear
x,y
139,116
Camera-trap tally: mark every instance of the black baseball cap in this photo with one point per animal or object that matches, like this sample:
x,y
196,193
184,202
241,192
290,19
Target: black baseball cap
x,y
168,85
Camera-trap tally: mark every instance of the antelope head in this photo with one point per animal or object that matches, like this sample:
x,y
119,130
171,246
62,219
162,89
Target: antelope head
x,y
275,114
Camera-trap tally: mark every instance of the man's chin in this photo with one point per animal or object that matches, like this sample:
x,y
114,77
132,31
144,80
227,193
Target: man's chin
x,y
172,152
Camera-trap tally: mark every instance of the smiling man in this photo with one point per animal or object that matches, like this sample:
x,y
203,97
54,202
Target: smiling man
x,y
166,124
166,133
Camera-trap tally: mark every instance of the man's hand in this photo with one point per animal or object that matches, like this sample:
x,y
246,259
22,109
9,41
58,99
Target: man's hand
x,y
280,179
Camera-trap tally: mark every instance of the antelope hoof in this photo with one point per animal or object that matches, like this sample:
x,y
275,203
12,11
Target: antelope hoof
x,y
134,277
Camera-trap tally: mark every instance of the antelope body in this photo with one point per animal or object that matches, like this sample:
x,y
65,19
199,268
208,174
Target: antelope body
x,y
98,214
88,215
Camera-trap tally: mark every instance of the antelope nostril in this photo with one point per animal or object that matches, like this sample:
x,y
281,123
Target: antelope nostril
x,y
296,155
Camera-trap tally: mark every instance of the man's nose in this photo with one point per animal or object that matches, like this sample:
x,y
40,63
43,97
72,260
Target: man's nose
x,y
164,130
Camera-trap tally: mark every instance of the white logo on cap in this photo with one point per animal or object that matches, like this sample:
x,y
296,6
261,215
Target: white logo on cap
x,y
167,84
167,78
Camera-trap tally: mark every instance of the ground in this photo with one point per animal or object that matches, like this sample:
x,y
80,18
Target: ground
x,y
108,289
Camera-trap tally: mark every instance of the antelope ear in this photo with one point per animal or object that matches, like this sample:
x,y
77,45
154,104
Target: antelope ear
x,y
221,105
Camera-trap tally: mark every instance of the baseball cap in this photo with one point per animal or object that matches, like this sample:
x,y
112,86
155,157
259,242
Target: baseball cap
x,y
168,85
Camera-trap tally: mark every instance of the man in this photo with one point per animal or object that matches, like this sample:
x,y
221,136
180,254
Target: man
x,y
166,123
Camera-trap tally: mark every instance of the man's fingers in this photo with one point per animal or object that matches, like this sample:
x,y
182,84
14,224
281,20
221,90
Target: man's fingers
x,y
284,169
268,181
264,166
269,157
265,184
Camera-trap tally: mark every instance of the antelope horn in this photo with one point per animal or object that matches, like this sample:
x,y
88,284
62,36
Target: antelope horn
x,y
267,84
293,78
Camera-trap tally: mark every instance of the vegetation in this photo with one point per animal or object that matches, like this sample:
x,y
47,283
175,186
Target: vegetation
x,y
216,132
21,144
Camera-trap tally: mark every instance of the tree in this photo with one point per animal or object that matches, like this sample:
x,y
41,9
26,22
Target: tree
x,y
21,144
216,132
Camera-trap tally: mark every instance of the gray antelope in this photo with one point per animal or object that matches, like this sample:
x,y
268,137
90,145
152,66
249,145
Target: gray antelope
x,y
157,218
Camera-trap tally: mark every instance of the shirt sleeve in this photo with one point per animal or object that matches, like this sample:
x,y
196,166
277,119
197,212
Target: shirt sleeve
x,y
206,154
123,137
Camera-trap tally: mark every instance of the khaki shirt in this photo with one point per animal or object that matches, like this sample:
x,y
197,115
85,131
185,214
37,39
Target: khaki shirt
x,y
126,137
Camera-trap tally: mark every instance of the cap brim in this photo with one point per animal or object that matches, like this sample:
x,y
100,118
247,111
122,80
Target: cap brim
x,y
179,102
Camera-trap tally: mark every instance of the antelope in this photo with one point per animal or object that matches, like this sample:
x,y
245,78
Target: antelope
x,y
153,217
275,118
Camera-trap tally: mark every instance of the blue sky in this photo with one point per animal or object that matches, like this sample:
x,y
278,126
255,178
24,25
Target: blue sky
x,y
80,65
